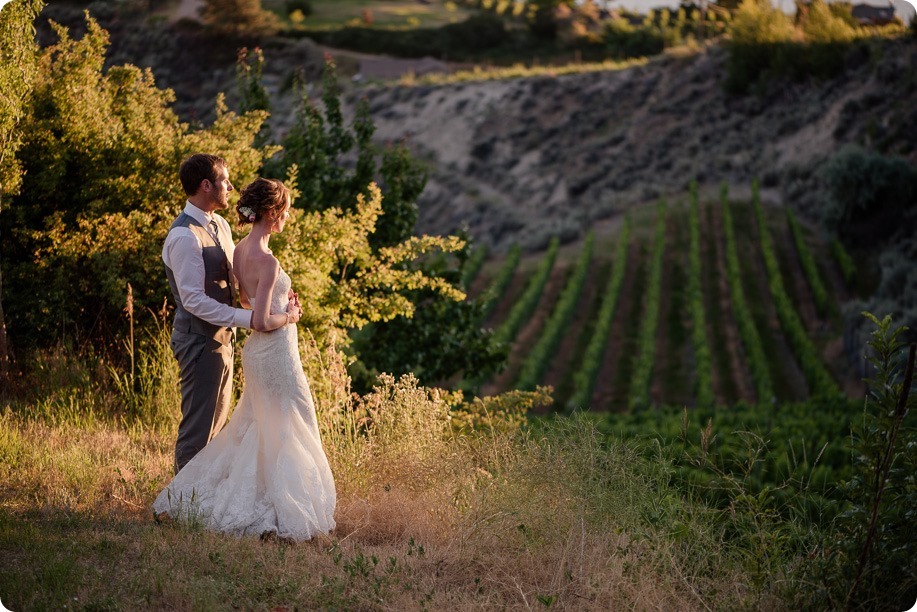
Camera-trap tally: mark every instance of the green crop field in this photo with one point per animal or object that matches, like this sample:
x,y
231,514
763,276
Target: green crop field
x,y
764,350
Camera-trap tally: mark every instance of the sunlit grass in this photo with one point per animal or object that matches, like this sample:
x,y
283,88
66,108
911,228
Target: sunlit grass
x,y
427,517
330,14
518,71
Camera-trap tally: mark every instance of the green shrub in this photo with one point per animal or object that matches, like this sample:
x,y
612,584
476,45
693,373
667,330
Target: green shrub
x,y
872,196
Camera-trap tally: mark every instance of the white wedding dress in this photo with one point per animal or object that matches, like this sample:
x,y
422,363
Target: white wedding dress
x,y
266,470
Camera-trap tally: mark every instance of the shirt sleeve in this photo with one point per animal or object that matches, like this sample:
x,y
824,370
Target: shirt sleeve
x,y
183,254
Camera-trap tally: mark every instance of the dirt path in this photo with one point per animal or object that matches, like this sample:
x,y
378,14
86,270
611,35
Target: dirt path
x,y
612,383
570,351
530,332
731,379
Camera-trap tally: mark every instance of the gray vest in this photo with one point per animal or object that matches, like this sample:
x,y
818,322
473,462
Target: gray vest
x,y
217,283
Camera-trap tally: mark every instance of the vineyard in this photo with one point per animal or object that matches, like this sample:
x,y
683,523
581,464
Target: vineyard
x,y
691,302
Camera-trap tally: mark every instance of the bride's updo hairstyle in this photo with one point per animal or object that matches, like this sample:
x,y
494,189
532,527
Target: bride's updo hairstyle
x,y
259,197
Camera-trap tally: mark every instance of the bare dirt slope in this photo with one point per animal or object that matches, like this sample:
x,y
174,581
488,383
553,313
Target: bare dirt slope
x,y
525,159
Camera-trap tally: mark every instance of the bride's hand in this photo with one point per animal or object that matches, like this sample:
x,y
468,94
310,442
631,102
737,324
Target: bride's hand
x,y
294,312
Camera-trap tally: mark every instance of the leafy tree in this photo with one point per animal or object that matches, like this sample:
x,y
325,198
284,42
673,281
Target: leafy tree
x,y
239,18
442,337
18,66
100,154
101,150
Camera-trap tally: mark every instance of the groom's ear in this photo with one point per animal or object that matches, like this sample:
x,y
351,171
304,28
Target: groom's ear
x,y
205,185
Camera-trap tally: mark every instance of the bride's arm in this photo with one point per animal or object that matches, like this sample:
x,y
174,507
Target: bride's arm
x,y
262,319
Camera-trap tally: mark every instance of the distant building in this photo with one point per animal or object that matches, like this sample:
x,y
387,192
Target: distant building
x,y
866,14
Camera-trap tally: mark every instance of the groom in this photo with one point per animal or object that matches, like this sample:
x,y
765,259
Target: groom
x,y
198,256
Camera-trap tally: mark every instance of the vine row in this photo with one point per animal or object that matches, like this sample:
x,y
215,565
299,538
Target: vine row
x,y
473,265
536,362
809,267
820,381
751,340
844,261
702,360
585,376
496,290
643,367
527,303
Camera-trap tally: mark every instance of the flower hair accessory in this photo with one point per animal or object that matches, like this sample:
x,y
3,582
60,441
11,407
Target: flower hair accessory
x,y
248,212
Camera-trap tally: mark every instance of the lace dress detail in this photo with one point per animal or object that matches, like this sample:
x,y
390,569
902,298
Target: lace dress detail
x,y
266,470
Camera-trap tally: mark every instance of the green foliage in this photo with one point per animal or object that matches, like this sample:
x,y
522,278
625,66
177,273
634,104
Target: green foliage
x,y
239,18
809,267
624,39
751,340
499,413
318,144
872,196
476,36
765,44
818,378
584,376
442,338
528,301
844,261
646,347
702,358
869,562
501,281
249,70
540,356
433,332
100,152
18,69
473,265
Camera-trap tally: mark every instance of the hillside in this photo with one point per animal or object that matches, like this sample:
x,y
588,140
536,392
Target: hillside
x,y
523,160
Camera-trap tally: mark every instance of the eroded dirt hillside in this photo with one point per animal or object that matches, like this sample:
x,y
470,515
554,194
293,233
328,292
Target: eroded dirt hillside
x,y
525,159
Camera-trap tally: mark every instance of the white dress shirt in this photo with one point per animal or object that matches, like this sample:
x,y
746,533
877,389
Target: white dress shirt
x,y
183,254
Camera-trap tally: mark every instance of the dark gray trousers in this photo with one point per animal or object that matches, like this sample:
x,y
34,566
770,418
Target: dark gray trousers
x,y
206,385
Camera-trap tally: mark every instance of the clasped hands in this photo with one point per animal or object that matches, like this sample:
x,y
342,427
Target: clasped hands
x,y
294,308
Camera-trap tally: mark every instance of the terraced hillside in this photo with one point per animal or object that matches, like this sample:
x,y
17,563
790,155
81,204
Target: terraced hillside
x,y
611,322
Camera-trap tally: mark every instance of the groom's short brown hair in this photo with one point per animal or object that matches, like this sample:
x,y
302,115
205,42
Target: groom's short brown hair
x,y
196,168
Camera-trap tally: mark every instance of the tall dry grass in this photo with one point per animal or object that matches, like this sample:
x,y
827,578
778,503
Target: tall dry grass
x,y
430,515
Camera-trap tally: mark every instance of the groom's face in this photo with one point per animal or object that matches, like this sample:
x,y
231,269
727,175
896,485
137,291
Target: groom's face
x,y
219,192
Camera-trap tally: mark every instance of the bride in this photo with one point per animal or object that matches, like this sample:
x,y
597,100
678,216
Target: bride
x,y
265,472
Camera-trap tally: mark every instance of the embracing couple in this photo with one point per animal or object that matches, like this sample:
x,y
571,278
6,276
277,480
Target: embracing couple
x,y
265,472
